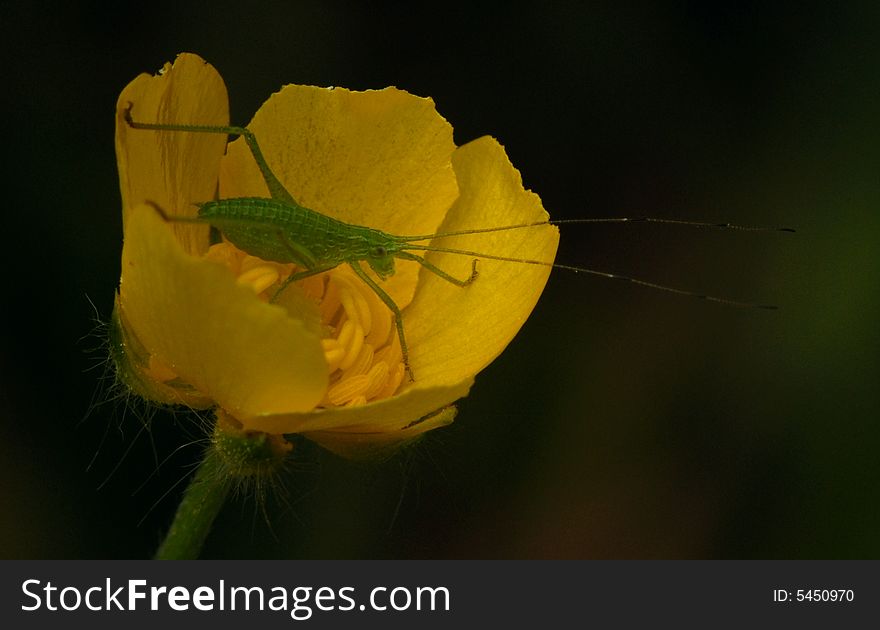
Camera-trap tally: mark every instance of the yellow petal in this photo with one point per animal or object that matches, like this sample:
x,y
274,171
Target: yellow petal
x,y
248,356
172,169
455,332
366,441
379,158
386,416
133,363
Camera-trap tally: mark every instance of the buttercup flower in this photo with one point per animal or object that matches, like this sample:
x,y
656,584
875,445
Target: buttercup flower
x,y
194,321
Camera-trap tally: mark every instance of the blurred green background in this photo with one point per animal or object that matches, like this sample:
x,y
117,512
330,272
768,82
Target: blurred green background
x,y
622,422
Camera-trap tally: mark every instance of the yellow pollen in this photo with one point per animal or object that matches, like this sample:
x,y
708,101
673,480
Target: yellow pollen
x,y
348,306
258,278
353,350
361,346
381,319
378,376
391,353
346,335
333,353
362,363
355,305
357,401
364,359
249,271
331,302
394,381
347,389
226,255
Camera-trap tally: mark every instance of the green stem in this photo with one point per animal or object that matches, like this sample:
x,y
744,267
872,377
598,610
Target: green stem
x,y
235,459
201,503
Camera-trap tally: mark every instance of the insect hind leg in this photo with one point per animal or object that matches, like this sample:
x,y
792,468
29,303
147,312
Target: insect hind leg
x,y
170,218
276,188
155,206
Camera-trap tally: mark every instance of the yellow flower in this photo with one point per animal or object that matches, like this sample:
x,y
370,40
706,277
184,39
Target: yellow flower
x,y
194,323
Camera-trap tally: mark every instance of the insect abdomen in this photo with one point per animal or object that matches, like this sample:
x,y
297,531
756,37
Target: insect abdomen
x,y
275,230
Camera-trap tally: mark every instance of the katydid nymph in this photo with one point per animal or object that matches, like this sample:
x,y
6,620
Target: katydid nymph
x,y
278,229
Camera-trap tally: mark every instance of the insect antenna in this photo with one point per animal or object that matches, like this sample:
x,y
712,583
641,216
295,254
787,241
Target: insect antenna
x,y
411,245
517,226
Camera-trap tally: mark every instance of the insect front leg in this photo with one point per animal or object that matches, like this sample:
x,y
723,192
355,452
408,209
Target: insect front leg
x,y
398,318
302,257
302,275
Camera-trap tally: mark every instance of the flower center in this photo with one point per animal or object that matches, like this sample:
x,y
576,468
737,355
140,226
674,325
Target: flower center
x,y
360,341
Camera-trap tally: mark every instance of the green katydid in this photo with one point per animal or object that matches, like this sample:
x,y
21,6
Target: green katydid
x,y
278,229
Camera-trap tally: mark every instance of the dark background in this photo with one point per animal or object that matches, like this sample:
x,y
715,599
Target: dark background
x,y
622,422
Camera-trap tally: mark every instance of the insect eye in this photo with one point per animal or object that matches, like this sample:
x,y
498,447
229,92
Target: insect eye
x,y
379,251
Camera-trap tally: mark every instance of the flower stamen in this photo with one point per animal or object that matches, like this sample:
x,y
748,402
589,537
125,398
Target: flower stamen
x,y
363,354
362,363
372,368
258,278
348,389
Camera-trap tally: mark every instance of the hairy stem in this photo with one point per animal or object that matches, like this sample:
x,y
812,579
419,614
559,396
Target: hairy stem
x,y
205,495
236,460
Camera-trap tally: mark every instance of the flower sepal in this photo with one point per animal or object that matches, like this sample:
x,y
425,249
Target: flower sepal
x,y
247,456
235,459
140,374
